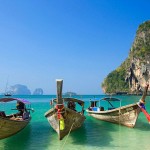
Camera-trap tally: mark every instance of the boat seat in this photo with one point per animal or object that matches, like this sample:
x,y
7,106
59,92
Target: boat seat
x,y
2,114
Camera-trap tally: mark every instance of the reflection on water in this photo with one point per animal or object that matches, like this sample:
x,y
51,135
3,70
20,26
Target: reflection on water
x,y
16,142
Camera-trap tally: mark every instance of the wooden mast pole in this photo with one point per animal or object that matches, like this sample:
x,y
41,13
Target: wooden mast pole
x,y
59,91
141,103
59,105
142,100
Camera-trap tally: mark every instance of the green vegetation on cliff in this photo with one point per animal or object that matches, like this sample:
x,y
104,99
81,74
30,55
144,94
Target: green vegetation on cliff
x,y
115,81
141,45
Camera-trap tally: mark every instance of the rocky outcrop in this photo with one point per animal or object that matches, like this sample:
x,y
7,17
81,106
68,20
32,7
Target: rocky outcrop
x,y
135,70
19,89
38,91
138,75
70,94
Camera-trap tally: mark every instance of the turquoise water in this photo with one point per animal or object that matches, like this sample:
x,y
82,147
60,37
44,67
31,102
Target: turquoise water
x,y
93,135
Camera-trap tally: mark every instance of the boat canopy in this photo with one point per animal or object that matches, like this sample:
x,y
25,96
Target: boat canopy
x,y
14,99
80,102
110,99
74,100
94,100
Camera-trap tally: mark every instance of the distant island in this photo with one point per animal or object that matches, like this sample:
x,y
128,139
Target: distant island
x,y
133,74
19,89
70,94
38,91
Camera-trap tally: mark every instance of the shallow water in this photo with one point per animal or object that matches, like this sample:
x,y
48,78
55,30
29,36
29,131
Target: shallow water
x,y
94,134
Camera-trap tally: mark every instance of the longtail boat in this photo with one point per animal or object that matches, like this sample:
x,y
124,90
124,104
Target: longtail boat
x,y
124,115
63,116
17,118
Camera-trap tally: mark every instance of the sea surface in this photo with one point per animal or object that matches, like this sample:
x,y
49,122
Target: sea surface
x,y
93,135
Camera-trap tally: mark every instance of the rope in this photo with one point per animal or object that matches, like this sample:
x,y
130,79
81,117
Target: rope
x,y
67,135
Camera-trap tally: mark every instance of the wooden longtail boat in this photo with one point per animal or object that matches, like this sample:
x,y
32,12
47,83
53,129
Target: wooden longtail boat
x,y
15,122
8,94
124,115
63,116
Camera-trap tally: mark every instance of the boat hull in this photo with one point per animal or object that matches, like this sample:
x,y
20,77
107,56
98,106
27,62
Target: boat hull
x,y
10,127
71,120
125,115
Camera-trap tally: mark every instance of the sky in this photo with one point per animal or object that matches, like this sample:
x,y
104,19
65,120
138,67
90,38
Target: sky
x,y
79,41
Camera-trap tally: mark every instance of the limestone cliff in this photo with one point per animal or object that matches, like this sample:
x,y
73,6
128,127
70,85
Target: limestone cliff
x,y
133,74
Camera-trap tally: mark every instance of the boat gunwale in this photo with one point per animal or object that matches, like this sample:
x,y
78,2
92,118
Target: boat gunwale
x,y
13,120
112,110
